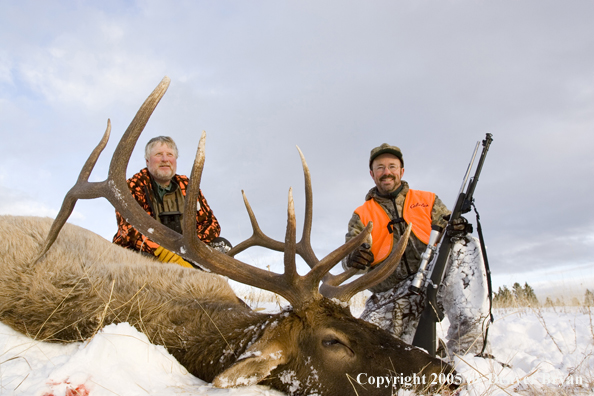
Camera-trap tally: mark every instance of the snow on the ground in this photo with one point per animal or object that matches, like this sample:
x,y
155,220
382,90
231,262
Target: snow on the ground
x,y
544,349
119,360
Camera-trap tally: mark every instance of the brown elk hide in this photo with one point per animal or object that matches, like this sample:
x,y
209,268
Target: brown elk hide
x,y
75,282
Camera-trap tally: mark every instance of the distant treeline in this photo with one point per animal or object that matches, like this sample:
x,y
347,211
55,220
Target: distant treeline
x,y
524,296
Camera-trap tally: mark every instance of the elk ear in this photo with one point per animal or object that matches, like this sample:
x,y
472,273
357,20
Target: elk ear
x,y
254,365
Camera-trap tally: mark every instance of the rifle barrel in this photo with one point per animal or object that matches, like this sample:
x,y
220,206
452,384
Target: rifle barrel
x,y
479,168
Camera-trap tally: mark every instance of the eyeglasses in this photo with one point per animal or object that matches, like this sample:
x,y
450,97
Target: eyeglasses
x,y
391,168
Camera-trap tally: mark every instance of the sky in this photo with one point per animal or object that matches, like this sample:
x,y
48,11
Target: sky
x,y
336,78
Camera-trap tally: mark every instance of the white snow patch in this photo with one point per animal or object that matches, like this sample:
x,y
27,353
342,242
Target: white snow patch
x,y
544,348
290,377
118,360
340,303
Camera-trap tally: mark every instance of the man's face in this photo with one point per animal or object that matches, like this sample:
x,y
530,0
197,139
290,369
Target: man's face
x,y
386,171
162,163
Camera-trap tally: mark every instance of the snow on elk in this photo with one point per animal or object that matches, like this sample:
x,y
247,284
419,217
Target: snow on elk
x,y
62,283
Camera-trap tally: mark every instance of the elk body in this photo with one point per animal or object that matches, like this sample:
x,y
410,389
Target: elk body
x,y
62,283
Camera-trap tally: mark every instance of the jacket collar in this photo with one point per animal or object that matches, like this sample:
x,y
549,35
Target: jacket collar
x,y
373,193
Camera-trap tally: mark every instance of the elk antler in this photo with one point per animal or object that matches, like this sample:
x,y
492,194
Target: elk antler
x,y
298,290
258,238
112,188
331,283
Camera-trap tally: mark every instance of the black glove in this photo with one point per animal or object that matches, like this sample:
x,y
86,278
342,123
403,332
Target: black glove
x,y
460,227
221,244
361,258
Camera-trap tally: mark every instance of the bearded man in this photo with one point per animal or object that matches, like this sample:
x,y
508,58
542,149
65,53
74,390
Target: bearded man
x,y
161,193
391,205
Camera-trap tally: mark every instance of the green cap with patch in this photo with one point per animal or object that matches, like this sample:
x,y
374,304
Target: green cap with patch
x,y
385,149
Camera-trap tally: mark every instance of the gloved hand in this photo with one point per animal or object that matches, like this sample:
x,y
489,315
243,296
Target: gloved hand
x,y
167,256
460,224
221,244
361,258
460,227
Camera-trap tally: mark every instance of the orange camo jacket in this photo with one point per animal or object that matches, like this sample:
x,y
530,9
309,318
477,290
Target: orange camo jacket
x,y
207,226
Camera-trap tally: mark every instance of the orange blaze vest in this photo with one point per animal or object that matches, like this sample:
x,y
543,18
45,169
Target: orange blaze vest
x,y
417,210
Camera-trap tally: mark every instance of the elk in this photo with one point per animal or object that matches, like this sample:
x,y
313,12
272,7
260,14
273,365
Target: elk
x,y
62,283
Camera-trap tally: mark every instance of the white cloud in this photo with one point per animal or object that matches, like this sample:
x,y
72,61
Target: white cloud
x,y
5,66
336,78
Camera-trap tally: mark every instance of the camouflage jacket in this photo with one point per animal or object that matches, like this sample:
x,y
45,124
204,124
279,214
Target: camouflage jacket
x,y
415,248
207,226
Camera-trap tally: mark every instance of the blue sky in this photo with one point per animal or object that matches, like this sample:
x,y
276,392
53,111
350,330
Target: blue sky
x,y
336,78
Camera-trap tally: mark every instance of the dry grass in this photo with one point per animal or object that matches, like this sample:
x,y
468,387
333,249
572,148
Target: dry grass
x,y
259,299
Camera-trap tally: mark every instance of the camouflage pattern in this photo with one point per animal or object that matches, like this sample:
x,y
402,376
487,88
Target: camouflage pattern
x,y
463,294
385,148
207,226
396,310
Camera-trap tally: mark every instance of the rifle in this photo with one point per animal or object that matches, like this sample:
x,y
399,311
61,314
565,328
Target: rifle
x,y
430,274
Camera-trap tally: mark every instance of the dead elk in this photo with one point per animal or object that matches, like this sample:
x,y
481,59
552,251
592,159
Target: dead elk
x,y
66,286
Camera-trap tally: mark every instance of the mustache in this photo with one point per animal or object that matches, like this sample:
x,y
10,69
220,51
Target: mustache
x,y
385,177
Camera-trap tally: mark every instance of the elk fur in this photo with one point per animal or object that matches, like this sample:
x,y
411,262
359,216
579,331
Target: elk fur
x,y
84,283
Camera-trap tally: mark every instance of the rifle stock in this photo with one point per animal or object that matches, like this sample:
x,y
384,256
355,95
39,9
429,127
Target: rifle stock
x,y
426,335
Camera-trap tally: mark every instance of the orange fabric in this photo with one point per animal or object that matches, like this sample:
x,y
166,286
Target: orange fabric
x,y
207,226
382,240
417,210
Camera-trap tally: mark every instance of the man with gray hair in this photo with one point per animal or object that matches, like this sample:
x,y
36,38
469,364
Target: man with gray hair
x,y
391,205
161,193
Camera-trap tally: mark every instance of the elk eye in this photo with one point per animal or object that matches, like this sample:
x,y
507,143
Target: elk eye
x,y
337,346
330,342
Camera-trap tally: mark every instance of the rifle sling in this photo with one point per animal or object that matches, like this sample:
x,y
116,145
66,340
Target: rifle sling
x,y
488,272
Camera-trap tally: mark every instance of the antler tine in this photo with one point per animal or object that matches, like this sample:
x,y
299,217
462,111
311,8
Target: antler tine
x,y
304,246
71,198
321,270
123,151
336,280
372,278
258,238
191,203
290,241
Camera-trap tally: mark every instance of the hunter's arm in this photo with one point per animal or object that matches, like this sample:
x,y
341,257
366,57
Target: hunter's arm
x,y
438,212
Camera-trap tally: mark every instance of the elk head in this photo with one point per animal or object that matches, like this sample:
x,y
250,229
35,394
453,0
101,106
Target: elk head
x,y
314,347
